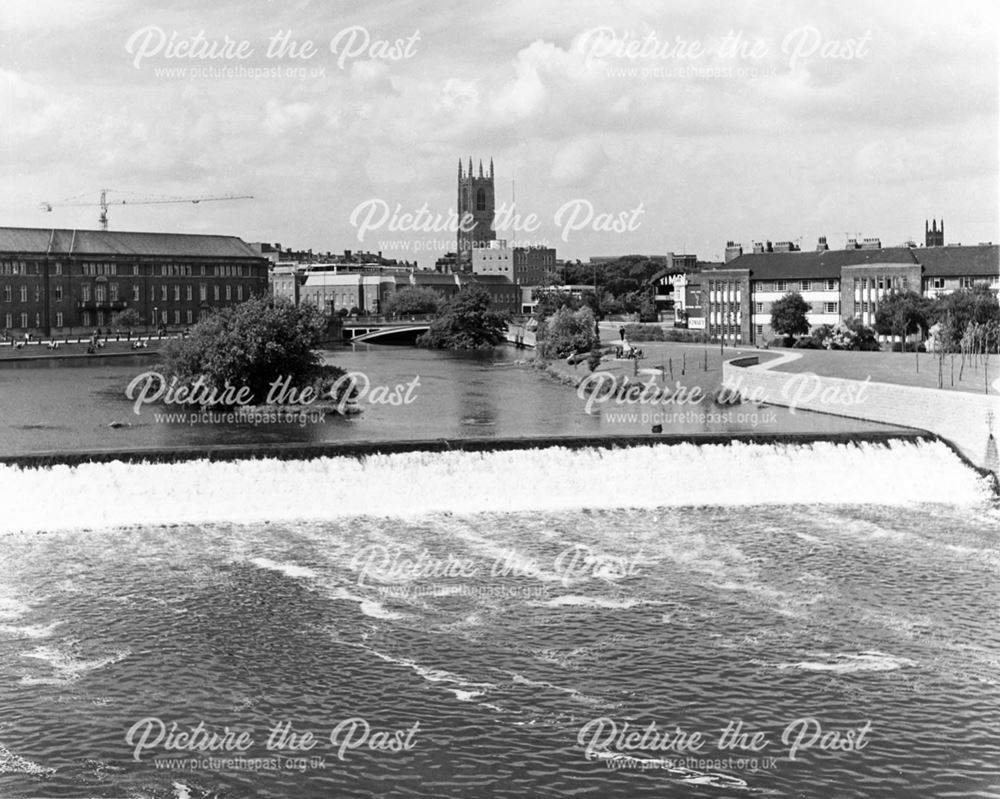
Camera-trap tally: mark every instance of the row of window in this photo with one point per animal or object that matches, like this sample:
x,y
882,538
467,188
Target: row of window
x,y
101,318
826,307
112,269
105,292
798,285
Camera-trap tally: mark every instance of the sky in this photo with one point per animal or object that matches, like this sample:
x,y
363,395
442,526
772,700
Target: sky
x,y
614,127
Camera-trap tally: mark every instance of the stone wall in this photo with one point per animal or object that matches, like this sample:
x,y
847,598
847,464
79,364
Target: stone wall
x,y
962,418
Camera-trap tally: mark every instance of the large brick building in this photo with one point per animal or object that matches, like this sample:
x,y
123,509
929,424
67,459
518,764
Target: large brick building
x,y
55,281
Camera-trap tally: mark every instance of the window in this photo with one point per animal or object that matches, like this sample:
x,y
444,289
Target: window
x,y
24,293
59,319
57,269
239,292
758,307
229,293
781,285
101,318
163,294
88,319
190,317
135,293
6,294
480,200
831,307
8,321
938,283
58,293
966,282
215,292
177,317
24,320
114,292
202,292
804,285
177,293
101,292
85,293
190,292
831,285
163,317
760,330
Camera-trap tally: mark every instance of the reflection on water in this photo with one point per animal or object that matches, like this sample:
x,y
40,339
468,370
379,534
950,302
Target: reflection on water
x,y
459,395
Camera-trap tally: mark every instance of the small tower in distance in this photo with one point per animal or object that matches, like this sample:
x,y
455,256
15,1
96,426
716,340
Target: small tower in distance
x,y
476,202
932,236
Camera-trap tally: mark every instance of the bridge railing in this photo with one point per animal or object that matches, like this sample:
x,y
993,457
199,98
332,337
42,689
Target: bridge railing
x,y
386,319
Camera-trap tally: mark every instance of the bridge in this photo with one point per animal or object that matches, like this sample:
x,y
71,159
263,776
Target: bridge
x,y
385,331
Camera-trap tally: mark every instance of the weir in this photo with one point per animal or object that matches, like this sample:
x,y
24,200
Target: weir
x,y
406,479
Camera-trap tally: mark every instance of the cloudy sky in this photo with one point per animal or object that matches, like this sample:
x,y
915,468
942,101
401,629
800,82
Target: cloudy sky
x,y
626,126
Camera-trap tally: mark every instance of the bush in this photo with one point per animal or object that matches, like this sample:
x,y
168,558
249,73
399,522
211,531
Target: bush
x,y
594,359
806,343
635,332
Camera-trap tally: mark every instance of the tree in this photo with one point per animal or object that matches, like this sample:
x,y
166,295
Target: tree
x,y
466,322
955,310
253,344
551,301
414,300
128,319
788,315
901,313
565,333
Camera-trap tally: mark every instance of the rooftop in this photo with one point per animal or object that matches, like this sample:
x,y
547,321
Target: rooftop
x,y
65,242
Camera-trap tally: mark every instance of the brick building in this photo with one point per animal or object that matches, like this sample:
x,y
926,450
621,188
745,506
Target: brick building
x,y
55,280
838,284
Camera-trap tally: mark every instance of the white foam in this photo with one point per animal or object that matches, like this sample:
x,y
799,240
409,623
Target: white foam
x,y
370,607
417,483
11,608
850,663
15,764
288,569
29,630
66,668
609,603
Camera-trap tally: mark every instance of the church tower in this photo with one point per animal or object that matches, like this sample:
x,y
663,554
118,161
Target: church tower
x,y
932,236
477,199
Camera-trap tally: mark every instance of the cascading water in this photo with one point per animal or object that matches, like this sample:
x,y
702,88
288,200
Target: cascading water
x,y
515,621
408,484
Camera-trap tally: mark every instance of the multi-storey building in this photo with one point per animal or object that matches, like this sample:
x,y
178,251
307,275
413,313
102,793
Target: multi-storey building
x,y
838,285
54,280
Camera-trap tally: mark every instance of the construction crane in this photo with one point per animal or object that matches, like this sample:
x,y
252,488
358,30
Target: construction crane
x,y
103,203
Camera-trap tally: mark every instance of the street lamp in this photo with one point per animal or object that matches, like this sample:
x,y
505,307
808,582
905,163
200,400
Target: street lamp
x,y
156,314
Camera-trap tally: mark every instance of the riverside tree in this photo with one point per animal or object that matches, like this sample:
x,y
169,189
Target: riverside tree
x,y
254,344
566,332
414,300
788,315
466,322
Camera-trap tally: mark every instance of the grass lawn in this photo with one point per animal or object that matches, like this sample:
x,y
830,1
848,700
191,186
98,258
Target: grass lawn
x,y
895,367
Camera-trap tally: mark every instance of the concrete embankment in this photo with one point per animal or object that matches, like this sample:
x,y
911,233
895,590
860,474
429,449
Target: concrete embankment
x,y
964,420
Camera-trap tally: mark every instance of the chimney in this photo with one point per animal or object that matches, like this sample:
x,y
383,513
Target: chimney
x,y
733,250
821,245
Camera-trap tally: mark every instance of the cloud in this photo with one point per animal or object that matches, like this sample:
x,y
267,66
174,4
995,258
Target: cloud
x,y
578,163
